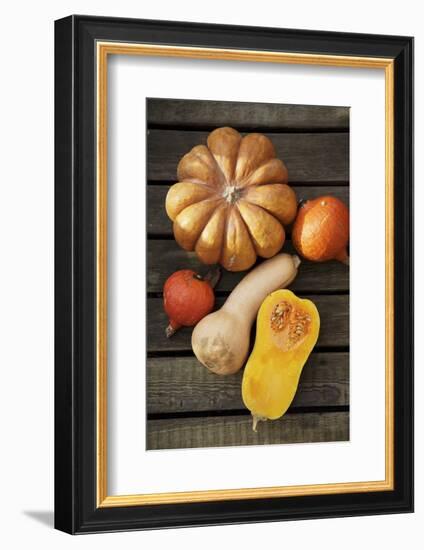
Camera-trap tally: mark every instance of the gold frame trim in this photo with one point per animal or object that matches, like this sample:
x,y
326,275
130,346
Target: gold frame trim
x,y
119,48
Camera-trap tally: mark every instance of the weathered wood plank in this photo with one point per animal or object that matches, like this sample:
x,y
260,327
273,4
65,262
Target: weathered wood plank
x,y
237,430
165,256
333,310
312,158
182,384
158,222
241,115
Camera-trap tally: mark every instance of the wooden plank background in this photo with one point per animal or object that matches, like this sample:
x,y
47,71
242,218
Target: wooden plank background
x,y
187,406
325,153
170,113
180,386
223,431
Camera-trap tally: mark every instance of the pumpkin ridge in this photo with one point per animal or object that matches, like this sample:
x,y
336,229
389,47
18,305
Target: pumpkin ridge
x,y
245,225
224,181
264,148
230,208
227,218
221,175
219,203
228,183
196,181
252,238
216,154
219,172
196,154
183,194
254,185
216,200
263,207
273,180
242,181
278,199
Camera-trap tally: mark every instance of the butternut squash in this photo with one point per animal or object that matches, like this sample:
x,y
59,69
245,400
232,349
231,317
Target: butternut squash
x,y
220,340
286,332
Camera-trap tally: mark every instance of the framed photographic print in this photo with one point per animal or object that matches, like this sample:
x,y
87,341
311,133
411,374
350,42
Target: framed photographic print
x,y
234,274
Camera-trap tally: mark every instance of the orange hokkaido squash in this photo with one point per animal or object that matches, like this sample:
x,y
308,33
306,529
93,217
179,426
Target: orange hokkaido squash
x,y
232,200
321,230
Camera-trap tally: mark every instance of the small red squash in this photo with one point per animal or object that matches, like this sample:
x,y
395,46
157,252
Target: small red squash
x,y
187,298
321,230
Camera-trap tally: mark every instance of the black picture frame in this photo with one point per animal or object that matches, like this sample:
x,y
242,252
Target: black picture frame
x,y
76,510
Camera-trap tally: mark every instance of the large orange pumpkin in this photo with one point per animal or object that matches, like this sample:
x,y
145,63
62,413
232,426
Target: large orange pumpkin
x,y
232,200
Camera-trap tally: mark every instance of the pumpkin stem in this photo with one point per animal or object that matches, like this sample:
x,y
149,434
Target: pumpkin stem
x,y
343,257
171,328
301,203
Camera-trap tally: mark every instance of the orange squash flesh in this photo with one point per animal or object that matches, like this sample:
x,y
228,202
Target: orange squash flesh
x,y
286,332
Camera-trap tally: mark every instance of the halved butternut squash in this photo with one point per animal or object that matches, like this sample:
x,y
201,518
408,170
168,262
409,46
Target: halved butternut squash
x,y
286,332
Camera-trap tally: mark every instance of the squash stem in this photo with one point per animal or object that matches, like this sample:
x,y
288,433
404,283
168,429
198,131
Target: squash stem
x,y
256,419
171,328
213,276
